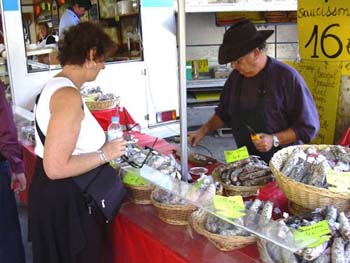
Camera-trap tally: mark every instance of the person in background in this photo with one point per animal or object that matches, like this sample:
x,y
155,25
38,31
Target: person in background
x,y
12,180
261,95
69,142
71,17
45,36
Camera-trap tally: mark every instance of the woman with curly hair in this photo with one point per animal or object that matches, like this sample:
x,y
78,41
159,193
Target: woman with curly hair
x,y
69,143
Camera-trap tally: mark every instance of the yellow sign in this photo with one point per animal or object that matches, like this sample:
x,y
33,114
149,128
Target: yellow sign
x,y
324,29
338,181
133,179
307,234
346,68
236,155
231,206
323,80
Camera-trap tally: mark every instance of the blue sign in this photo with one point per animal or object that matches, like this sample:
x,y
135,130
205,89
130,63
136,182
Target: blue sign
x,y
10,5
157,3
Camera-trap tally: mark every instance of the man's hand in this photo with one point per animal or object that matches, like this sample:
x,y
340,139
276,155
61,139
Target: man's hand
x,y
195,137
18,182
264,143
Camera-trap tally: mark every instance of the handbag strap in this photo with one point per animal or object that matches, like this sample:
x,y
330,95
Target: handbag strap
x,y
40,133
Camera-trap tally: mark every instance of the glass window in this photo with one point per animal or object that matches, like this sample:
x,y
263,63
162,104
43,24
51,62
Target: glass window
x,y
120,19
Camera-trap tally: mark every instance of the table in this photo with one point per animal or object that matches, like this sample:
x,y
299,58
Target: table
x,y
140,236
104,116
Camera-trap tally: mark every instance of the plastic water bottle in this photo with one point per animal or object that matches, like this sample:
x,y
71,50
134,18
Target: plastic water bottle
x,y
114,131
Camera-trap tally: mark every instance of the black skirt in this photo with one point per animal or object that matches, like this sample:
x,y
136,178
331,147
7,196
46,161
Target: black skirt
x,y
60,226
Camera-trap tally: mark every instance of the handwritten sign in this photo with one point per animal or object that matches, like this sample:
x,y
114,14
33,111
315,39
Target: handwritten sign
x,y
236,155
306,234
338,181
132,179
323,80
324,29
229,206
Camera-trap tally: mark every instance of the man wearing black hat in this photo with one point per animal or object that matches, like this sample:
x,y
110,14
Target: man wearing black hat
x,y
72,15
261,95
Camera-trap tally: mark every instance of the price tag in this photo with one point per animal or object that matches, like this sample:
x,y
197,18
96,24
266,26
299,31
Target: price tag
x,y
319,231
133,179
236,155
338,181
323,29
231,206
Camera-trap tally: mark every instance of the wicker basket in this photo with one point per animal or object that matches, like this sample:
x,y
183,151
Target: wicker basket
x,y
102,105
230,190
173,214
223,243
295,209
306,196
140,195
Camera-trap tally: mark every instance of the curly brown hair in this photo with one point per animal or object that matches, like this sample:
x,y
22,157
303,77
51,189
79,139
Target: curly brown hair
x,y
78,40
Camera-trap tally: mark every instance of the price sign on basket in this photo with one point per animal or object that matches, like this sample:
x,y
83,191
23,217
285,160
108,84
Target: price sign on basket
x,y
319,231
236,155
229,206
133,179
324,29
338,181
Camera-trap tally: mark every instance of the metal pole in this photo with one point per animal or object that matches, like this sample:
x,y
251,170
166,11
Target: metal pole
x,y
181,33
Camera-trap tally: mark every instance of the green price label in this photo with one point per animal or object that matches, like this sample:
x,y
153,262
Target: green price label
x,y
133,179
199,183
319,231
231,206
236,155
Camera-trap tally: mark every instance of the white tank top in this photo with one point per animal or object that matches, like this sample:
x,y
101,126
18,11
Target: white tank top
x,y
91,136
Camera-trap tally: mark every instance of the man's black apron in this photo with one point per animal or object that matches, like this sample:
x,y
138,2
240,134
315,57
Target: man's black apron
x,y
255,118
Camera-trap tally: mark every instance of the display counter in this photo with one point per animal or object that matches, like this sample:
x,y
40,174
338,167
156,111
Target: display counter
x,y
140,236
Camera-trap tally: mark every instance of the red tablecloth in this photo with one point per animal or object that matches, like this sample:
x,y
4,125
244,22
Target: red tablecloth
x,y
104,116
29,160
141,237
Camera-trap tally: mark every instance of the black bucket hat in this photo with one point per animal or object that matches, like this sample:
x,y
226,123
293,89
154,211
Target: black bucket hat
x,y
84,3
240,39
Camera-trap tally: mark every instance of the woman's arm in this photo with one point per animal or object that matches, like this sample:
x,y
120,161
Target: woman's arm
x,y
62,135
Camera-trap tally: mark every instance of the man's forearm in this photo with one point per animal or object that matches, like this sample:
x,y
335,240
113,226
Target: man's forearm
x,y
287,136
213,124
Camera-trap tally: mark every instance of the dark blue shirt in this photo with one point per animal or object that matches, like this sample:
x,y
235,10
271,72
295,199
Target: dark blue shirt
x,y
288,102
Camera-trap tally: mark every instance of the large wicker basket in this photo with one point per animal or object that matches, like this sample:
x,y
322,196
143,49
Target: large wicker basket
x,y
140,194
306,196
173,214
230,190
102,105
223,243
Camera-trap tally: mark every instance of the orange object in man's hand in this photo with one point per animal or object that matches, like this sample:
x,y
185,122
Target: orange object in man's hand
x,y
253,135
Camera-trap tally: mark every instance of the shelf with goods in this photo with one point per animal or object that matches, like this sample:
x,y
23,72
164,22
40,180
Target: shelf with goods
x,y
204,91
200,6
124,30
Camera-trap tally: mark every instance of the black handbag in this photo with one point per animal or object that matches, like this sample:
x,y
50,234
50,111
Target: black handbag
x,y
102,187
